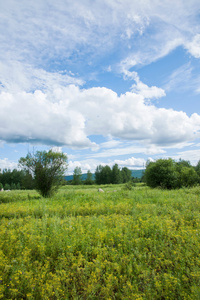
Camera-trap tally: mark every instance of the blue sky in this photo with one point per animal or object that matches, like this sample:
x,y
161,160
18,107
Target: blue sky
x,y
105,81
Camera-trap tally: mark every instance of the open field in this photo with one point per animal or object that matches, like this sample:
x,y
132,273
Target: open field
x,y
81,244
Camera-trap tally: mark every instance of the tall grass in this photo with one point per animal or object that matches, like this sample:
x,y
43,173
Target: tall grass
x,y
81,244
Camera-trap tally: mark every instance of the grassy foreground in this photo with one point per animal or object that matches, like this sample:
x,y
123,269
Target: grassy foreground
x,y
81,244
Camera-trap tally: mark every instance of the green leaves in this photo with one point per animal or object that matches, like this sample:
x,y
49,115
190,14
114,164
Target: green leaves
x,y
106,175
48,169
168,174
77,176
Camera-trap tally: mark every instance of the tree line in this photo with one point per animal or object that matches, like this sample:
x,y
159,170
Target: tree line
x,y
44,171
107,175
164,173
16,180
169,174
38,171
103,175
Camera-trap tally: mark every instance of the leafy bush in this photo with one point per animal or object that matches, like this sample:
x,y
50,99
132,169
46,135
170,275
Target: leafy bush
x,y
188,177
48,169
168,174
129,185
7,186
161,173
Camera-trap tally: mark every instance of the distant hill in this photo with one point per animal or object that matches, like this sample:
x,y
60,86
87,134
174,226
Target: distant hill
x,y
135,174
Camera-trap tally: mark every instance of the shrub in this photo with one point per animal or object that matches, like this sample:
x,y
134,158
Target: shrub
x,y
48,169
162,173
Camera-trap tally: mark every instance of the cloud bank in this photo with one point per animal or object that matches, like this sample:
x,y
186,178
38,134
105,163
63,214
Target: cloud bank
x,y
68,116
49,49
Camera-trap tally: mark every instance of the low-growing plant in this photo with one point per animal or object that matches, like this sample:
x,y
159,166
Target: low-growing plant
x,y
141,244
129,185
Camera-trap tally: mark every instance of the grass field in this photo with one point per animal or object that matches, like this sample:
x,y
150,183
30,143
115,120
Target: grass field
x,y
81,244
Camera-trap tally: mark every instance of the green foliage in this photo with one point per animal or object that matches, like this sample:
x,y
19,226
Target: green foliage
x,y
17,179
98,174
126,175
48,169
77,176
197,168
17,196
188,177
13,186
183,163
168,174
129,186
80,244
161,173
116,174
137,180
27,181
106,175
89,180
7,186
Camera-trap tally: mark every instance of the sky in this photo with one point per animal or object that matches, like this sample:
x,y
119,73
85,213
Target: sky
x,y
104,81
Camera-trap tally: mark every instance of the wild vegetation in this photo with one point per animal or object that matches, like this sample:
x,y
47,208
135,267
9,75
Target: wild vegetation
x,y
103,175
47,169
39,173
169,174
139,244
15,180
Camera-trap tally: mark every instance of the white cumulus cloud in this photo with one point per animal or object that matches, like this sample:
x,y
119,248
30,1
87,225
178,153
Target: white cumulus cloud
x,y
7,164
44,44
73,114
132,162
194,46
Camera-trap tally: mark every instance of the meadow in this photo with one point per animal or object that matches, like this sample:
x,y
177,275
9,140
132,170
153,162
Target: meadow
x,y
81,244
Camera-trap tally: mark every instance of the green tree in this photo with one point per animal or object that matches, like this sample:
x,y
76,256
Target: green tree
x,y
27,181
126,175
77,176
98,174
6,177
106,175
47,168
89,180
103,175
18,187
188,177
18,178
7,186
162,173
183,164
116,174
13,186
197,168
